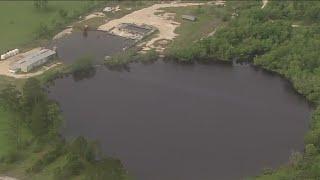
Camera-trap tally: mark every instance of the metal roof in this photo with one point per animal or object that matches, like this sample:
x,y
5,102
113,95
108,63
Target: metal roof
x,y
189,17
32,58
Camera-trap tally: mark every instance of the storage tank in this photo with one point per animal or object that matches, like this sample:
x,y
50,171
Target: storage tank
x,y
4,56
10,53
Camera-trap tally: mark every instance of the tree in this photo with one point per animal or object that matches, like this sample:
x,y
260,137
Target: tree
x,y
54,119
10,99
42,30
63,13
32,94
83,148
40,4
38,123
14,133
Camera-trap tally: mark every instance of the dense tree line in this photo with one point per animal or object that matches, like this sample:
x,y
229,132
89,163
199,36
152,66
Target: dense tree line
x,y
284,37
32,111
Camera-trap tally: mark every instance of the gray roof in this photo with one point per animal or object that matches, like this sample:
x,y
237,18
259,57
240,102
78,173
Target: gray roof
x,y
189,17
32,58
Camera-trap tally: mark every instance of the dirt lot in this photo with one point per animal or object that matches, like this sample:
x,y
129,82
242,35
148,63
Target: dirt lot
x,y
155,16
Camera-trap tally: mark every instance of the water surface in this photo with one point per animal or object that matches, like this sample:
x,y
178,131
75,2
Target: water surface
x,y
187,122
96,44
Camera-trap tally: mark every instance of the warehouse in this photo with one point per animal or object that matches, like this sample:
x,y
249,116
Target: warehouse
x,y
32,61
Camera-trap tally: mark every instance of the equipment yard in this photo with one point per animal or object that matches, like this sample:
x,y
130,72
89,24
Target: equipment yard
x,y
154,16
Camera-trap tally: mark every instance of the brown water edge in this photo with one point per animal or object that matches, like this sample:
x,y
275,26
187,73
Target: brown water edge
x,y
185,122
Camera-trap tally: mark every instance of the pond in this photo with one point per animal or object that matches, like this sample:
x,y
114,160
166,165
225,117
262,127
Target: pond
x,y
96,44
166,121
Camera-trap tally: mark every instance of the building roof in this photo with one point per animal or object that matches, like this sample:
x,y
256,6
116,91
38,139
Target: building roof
x,y
32,58
189,17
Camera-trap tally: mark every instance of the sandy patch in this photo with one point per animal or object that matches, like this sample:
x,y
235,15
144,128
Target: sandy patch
x,y
153,16
264,3
218,3
7,178
63,33
93,15
4,67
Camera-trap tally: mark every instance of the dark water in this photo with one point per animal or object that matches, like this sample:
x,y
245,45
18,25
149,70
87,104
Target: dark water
x,y
197,122
96,44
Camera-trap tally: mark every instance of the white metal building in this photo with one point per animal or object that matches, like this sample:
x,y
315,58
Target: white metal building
x,y
32,61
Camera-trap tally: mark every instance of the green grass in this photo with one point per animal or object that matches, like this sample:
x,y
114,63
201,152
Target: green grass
x,y
4,80
5,144
20,19
208,19
4,126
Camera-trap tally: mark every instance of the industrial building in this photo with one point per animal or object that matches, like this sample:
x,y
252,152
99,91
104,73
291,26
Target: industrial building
x,y
133,31
32,61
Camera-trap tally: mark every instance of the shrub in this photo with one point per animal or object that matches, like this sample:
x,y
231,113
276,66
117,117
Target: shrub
x,y
148,57
11,157
73,167
46,159
121,58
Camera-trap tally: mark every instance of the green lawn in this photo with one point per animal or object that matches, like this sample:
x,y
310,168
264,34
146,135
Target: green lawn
x,y
20,19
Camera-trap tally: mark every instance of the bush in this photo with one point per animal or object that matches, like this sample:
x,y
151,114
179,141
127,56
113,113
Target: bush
x,y
121,58
73,167
63,13
43,31
11,157
148,57
81,65
48,158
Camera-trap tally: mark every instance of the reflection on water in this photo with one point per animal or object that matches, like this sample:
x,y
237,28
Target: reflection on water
x,y
82,75
184,122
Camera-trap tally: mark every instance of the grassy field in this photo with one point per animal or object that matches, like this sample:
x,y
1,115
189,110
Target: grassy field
x,y
209,18
21,20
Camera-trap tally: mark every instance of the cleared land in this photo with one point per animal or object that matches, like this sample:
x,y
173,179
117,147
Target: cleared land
x,y
155,16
